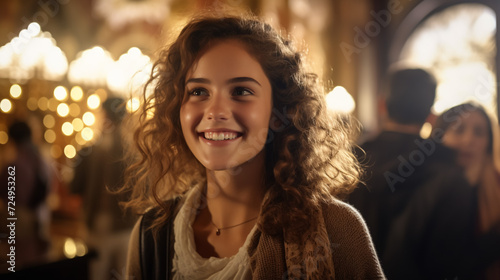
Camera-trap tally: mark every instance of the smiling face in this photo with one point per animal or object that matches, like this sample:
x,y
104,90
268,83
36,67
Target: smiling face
x,y
226,113
469,136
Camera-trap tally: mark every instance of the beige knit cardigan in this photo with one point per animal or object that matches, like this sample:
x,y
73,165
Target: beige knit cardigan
x,y
351,254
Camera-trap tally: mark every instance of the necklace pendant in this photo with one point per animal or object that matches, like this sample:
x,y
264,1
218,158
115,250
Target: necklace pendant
x,y
217,232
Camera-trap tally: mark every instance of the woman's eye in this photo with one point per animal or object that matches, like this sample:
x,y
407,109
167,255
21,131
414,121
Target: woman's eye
x,y
240,91
198,92
457,128
480,132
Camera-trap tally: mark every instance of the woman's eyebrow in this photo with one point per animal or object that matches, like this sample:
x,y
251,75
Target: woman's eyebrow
x,y
230,81
242,79
198,80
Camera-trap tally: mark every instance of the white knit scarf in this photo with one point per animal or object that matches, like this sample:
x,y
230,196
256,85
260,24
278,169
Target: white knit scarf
x,y
188,264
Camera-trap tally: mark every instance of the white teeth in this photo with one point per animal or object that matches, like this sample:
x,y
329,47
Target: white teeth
x,y
219,136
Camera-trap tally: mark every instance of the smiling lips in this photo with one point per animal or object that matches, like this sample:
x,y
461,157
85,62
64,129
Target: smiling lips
x,y
220,135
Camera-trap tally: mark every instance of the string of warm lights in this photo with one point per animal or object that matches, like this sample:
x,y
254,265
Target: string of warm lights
x,y
70,112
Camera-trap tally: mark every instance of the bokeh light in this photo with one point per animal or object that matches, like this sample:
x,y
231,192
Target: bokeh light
x,y
88,118
130,73
60,93
425,131
77,124
81,248
133,104
339,100
76,93
50,136
32,104
69,247
34,29
70,151
4,137
49,121
63,109
93,101
52,104
55,64
43,103
79,139
87,134
5,105
90,67
15,91
67,128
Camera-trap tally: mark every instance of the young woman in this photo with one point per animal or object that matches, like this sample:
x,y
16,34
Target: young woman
x,y
469,130
241,165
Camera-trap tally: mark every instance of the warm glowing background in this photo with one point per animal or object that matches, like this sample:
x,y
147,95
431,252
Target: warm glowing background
x,y
60,59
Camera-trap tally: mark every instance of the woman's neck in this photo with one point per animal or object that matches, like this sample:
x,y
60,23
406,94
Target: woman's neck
x,y
475,172
235,195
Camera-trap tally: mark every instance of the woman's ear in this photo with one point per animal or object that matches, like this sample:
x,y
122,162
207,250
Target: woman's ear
x,y
279,120
275,124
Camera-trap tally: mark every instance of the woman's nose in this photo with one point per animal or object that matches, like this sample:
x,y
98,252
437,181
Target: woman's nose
x,y
218,109
468,139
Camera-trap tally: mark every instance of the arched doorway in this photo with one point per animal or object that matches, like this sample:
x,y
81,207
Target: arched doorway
x,y
457,41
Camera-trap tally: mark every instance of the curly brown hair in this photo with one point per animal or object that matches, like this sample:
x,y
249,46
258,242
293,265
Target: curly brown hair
x,y
309,151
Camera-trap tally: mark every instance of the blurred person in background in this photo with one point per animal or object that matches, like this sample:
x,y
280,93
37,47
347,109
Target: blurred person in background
x,y
473,133
99,171
419,210
31,180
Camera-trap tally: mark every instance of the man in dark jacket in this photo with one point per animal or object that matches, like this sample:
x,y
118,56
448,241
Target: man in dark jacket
x,y
419,208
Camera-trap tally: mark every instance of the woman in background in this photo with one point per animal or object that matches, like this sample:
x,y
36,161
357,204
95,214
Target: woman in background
x,y
473,134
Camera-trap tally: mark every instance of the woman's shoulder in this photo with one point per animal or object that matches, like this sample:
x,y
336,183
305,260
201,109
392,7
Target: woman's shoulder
x,y
352,247
339,212
146,220
143,234
168,210
346,227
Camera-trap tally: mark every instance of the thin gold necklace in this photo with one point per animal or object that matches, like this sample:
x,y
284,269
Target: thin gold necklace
x,y
217,232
